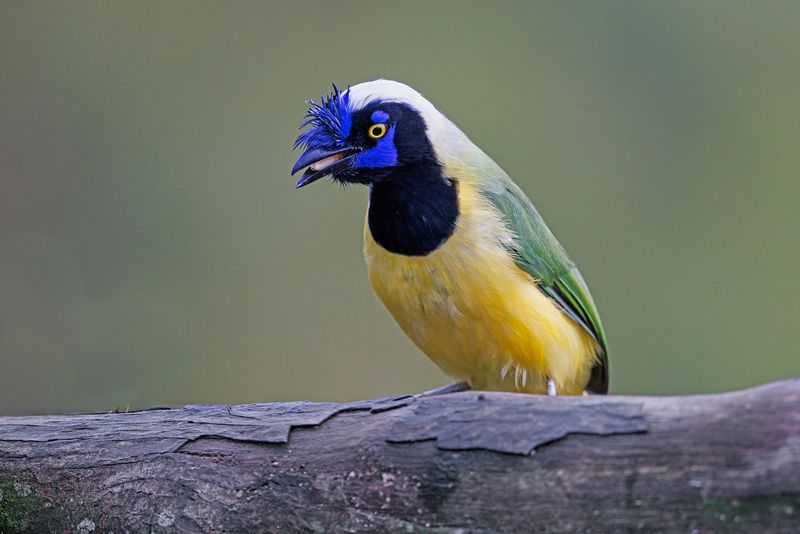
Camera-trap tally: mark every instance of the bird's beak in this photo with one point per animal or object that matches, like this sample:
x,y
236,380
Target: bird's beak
x,y
322,162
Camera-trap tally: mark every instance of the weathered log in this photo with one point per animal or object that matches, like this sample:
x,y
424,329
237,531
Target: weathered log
x,y
464,462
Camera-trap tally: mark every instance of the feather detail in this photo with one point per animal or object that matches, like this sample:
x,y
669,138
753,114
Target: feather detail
x,y
507,334
537,252
329,121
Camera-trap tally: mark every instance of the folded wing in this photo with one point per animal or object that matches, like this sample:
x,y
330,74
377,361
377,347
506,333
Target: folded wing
x,y
537,252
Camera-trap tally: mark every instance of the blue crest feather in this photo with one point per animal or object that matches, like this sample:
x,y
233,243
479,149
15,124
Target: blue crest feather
x,y
329,120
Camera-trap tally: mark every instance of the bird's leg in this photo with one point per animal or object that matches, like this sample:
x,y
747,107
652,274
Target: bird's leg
x,y
551,388
455,387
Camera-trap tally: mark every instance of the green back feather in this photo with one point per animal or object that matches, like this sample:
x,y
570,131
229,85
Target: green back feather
x,y
537,252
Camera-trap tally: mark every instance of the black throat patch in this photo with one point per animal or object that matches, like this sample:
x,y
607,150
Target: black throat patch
x,y
414,212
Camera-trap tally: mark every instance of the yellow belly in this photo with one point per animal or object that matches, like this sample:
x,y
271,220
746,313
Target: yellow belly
x,y
476,314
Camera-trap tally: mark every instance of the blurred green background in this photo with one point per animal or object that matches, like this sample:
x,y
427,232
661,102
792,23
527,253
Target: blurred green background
x,y
153,250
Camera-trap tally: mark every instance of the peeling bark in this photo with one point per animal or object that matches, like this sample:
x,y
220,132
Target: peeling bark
x,y
469,462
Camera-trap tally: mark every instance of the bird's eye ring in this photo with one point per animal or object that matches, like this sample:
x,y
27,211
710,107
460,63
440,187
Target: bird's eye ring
x,y
376,131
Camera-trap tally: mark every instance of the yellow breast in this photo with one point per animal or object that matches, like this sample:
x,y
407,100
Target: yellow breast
x,y
476,314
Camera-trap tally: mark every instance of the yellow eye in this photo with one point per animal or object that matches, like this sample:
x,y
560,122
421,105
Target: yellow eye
x,y
376,131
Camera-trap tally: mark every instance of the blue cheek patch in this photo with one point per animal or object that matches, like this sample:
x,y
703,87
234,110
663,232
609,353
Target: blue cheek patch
x,y
383,154
379,116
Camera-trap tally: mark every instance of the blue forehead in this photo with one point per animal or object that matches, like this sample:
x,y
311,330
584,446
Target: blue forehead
x,y
379,116
329,121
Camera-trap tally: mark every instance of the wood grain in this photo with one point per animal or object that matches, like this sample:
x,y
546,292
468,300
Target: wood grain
x,y
462,462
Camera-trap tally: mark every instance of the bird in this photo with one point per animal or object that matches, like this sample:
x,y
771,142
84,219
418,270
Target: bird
x,y
454,249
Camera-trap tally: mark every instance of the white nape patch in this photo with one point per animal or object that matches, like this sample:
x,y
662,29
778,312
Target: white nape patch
x,y
321,164
451,144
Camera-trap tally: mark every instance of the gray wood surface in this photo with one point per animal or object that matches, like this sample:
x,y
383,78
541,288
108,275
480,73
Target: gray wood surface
x,y
463,462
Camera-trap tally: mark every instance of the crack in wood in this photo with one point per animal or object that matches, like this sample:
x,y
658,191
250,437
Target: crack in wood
x,y
120,436
519,423
708,463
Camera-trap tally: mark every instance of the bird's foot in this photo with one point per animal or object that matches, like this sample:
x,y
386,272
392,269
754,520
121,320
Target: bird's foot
x,y
551,388
455,387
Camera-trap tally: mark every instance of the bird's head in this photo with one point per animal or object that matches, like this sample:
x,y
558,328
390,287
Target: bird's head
x,y
363,134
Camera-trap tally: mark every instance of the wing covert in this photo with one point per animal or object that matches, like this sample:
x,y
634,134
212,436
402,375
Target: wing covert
x,y
537,252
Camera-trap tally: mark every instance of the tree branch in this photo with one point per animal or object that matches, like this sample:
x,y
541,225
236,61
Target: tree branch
x,y
473,461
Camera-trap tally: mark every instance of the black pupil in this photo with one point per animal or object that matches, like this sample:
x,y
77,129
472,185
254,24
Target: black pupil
x,y
376,131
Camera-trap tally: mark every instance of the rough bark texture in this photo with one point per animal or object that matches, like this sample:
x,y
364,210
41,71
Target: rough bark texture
x,y
467,462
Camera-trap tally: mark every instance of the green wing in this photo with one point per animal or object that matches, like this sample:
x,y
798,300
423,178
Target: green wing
x,y
538,253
